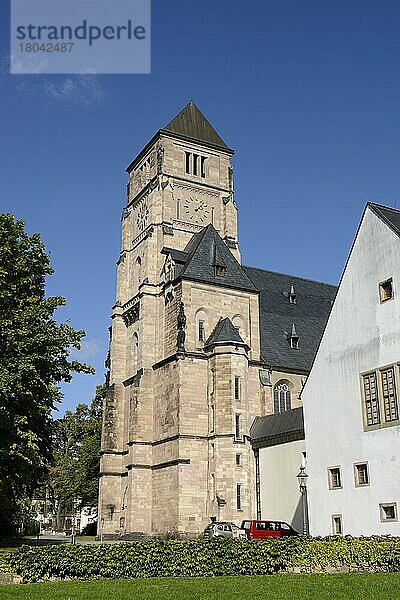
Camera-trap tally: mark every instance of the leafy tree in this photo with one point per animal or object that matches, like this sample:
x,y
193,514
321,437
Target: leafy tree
x,y
74,477
34,360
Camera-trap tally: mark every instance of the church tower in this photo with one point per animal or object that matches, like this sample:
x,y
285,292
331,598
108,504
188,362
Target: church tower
x,y
185,328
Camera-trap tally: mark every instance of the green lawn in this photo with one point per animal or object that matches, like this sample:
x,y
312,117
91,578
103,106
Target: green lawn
x,y
370,586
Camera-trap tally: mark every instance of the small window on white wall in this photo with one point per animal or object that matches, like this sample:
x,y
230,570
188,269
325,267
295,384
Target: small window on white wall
x,y
388,512
361,474
337,525
386,290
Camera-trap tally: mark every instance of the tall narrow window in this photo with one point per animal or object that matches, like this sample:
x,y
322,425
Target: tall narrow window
x,y
371,399
361,474
238,460
282,397
203,166
238,496
334,478
201,331
212,382
212,418
337,527
195,163
389,395
212,486
237,387
178,209
187,162
237,426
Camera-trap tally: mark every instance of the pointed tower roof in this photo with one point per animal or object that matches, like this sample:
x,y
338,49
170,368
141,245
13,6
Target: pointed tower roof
x,y
225,333
206,251
191,124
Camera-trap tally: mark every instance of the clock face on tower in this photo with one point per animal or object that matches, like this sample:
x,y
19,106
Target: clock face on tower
x,y
196,210
142,215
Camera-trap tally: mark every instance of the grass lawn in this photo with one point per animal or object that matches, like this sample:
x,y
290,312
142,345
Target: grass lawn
x,y
369,586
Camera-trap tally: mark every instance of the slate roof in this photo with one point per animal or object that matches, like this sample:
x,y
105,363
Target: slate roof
x,y
225,333
277,317
390,216
191,124
204,252
281,428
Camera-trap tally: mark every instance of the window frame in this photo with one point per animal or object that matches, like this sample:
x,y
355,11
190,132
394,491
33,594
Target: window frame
x,y
330,480
356,465
382,513
382,293
239,496
236,387
333,521
238,428
378,374
201,331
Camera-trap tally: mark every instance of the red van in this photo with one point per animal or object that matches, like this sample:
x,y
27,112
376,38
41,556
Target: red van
x,y
261,529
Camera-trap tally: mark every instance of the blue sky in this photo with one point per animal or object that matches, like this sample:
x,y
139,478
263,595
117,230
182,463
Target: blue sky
x,y
308,93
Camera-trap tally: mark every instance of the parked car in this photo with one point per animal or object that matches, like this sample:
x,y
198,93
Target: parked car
x,y
261,529
224,529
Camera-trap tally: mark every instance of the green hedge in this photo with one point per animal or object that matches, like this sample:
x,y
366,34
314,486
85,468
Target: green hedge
x,y
202,557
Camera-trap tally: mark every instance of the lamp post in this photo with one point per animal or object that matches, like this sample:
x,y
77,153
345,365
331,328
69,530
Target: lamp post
x,y
302,478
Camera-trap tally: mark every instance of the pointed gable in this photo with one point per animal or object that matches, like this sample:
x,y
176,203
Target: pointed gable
x,y
207,251
225,333
390,216
191,124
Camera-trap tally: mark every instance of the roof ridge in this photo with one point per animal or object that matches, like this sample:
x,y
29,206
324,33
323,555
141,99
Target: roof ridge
x,y
379,211
290,275
397,210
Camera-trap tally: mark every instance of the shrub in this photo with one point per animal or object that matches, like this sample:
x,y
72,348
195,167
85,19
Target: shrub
x,y
203,557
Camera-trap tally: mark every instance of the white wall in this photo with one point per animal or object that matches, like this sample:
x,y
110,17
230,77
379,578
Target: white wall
x,y
361,335
279,488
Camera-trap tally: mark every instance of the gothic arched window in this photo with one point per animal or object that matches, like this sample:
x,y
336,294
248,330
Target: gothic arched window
x,y
282,396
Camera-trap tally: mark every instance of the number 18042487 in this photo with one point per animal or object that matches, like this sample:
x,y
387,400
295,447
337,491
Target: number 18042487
x,y
46,47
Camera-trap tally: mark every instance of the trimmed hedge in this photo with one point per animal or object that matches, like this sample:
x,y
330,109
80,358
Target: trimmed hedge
x,y
203,557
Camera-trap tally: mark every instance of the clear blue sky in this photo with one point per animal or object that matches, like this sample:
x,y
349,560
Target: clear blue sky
x,y
308,93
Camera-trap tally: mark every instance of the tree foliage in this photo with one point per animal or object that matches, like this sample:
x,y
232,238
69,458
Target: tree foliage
x,y
34,360
74,477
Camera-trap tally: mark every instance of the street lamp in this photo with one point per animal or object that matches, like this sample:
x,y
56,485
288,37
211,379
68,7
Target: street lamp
x,y
302,478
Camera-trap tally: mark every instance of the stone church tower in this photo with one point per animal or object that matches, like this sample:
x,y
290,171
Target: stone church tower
x,y
199,344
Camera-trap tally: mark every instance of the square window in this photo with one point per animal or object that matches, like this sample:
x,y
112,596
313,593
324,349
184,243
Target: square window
x,y
388,512
334,478
337,525
220,271
386,290
361,474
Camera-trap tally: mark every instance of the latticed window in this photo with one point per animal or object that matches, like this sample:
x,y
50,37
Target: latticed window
x,y
389,395
282,398
371,399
